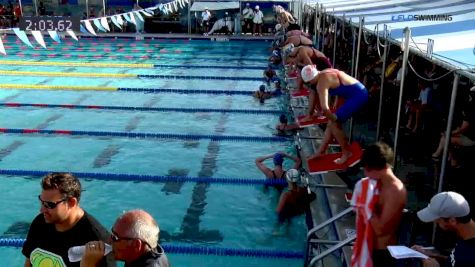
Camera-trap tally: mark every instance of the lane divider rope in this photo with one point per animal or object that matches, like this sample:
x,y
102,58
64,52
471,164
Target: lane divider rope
x,y
125,89
124,75
157,109
151,178
197,250
236,138
122,65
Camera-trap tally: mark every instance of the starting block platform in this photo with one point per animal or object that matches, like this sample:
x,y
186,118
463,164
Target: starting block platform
x,y
300,93
326,163
315,121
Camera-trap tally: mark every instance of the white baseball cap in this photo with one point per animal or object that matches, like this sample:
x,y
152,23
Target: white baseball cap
x,y
309,73
292,176
445,205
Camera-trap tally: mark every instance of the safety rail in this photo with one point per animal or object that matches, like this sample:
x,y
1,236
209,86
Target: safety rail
x,y
312,240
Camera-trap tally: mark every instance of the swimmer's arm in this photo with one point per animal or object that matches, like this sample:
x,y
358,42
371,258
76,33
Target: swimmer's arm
x,y
27,262
295,159
322,90
261,166
311,103
385,223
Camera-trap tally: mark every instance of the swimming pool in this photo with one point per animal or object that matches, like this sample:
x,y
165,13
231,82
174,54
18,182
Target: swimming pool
x,y
198,134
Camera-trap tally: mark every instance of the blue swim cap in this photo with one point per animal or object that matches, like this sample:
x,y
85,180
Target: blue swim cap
x,y
262,88
278,159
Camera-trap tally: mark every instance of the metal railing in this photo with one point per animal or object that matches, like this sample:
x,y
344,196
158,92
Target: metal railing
x,y
313,242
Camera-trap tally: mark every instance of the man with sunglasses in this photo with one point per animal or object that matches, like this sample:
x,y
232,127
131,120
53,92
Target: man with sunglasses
x,y
61,224
134,239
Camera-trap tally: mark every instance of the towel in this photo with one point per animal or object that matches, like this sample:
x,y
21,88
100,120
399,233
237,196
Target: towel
x,y
365,197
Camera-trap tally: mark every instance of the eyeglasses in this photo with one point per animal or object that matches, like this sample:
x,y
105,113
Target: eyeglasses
x,y
116,238
50,204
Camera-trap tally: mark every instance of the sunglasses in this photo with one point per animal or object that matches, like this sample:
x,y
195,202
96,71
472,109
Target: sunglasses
x,y
50,204
116,238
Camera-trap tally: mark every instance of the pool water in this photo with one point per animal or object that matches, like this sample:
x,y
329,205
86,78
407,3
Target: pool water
x,y
189,214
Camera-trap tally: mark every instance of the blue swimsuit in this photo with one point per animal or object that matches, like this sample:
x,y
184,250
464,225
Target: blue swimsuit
x,y
355,96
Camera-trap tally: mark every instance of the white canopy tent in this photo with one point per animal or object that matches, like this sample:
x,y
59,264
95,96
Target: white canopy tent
x,y
200,6
454,39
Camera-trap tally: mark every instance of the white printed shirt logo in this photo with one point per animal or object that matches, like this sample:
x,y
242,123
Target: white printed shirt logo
x,y
452,257
43,258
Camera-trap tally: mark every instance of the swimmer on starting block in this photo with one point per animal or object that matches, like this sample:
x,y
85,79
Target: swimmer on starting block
x,y
333,82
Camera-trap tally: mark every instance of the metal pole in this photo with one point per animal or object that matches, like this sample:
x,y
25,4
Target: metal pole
x,y
448,132
360,32
334,40
87,8
36,7
104,7
21,7
407,36
385,53
324,17
189,17
315,26
137,2
353,53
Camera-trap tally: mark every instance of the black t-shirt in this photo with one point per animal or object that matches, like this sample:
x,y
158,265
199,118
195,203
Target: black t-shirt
x,y
463,255
44,242
153,258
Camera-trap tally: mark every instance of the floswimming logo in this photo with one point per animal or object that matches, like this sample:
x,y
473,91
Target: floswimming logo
x,y
43,258
436,17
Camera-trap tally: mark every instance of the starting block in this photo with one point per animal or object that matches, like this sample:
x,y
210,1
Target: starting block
x,y
326,163
300,93
315,121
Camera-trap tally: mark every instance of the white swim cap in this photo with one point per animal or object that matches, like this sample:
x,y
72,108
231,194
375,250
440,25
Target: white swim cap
x,y
257,7
288,48
309,73
278,27
292,176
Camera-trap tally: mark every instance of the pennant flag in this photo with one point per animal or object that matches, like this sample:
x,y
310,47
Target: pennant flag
x,y
89,27
155,7
97,23
175,5
22,36
82,29
120,20
139,16
39,38
72,34
114,20
2,48
145,12
55,36
132,18
105,24
127,18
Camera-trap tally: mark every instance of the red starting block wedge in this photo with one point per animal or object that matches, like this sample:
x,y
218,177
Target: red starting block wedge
x,y
315,121
326,163
301,92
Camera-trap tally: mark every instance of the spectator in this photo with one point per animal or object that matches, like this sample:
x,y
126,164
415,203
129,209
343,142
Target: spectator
x,y
464,135
42,9
451,212
419,107
205,17
61,224
379,200
134,239
248,15
278,172
257,20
